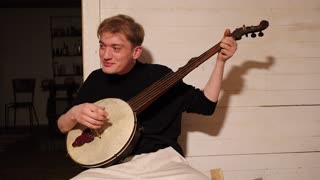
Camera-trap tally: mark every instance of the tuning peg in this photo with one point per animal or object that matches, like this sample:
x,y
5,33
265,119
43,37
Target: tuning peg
x,y
260,34
253,35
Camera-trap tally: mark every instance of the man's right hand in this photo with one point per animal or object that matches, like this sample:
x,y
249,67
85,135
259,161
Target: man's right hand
x,y
89,115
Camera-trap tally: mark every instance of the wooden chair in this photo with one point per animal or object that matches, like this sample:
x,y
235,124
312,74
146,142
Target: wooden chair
x,y
216,174
23,93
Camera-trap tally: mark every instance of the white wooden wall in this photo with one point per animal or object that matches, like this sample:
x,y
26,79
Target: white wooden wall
x,y
267,125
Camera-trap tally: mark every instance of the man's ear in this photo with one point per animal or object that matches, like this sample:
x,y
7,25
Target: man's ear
x,y
137,52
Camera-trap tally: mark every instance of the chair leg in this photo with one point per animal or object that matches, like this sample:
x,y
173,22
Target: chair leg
x,y
30,117
35,115
14,117
6,109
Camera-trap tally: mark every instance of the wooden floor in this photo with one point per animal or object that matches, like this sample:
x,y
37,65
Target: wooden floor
x,y
34,155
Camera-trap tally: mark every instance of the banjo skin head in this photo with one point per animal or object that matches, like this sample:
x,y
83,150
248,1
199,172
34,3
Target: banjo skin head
x,y
111,142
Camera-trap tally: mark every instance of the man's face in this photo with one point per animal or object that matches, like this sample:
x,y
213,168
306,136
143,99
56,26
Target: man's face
x,y
117,56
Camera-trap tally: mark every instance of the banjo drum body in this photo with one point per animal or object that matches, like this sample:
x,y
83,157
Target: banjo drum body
x,y
116,138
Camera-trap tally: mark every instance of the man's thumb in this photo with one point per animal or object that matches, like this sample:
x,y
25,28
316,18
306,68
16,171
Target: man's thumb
x,y
227,33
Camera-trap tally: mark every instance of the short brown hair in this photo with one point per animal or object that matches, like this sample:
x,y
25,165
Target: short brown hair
x,y
125,25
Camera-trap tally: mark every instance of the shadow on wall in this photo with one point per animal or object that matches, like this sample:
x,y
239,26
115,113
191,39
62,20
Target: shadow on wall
x,y
146,56
232,84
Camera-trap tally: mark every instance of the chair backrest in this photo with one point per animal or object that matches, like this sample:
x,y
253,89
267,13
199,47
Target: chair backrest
x,y
23,89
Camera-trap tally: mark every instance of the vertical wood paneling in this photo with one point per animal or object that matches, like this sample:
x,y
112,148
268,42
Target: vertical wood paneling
x,y
90,22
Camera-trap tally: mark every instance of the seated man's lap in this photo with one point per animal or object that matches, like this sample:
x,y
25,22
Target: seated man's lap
x,y
165,164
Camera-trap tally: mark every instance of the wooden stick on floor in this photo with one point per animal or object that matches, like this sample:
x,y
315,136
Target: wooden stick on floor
x,y
216,174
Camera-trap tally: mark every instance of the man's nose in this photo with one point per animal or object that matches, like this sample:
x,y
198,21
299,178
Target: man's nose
x,y
107,53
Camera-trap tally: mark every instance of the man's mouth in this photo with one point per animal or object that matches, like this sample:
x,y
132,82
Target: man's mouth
x,y
107,64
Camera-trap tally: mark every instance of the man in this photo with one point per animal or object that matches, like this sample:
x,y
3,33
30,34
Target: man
x,y
157,154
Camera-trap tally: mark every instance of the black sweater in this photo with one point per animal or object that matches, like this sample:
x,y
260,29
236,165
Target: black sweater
x,y
161,121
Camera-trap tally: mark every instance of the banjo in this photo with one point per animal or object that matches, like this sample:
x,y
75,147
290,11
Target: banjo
x,y
115,140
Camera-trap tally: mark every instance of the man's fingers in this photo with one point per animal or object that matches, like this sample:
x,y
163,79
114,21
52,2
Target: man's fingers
x,y
92,123
97,111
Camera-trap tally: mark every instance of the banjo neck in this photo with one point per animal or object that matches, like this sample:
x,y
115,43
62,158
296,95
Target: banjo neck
x,y
154,91
146,97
